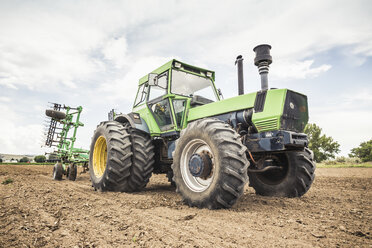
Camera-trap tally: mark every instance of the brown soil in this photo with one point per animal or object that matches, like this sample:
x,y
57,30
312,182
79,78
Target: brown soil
x,y
36,211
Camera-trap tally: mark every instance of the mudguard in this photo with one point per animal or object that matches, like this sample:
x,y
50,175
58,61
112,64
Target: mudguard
x,y
135,121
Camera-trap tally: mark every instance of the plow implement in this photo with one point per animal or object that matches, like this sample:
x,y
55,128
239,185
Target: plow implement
x,y
60,133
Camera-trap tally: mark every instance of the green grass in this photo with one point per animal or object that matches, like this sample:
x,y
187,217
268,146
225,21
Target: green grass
x,y
345,165
7,181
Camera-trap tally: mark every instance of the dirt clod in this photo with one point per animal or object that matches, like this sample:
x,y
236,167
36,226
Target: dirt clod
x,y
189,217
318,235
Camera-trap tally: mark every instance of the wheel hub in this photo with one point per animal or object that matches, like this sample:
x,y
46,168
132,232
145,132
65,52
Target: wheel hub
x,y
200,165
197,183
99,156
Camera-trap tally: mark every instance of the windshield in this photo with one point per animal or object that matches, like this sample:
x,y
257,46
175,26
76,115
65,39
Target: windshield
x,y
189,84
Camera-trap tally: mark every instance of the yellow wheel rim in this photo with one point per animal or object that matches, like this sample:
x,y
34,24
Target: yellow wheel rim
x,y
99,156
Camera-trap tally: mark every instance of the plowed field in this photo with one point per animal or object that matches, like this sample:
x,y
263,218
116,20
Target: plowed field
x,y
36,211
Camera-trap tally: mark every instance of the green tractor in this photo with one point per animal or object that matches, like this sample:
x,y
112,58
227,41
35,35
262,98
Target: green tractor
x,y
208,147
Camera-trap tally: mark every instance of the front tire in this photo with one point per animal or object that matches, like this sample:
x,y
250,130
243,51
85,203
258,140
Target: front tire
x,y
295,179
223,182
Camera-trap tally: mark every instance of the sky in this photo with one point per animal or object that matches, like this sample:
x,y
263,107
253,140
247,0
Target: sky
x,y
92,54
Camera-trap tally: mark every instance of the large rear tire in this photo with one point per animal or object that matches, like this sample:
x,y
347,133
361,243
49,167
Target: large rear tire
x,y
224,173
143,159
121,158
294,180
110,157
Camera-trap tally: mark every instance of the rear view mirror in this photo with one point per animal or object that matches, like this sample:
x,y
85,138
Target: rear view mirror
x,y
220,93
153,79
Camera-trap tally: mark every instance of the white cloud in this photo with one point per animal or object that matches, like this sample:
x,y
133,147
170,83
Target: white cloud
x,y
4,99
348,119
57,44
115,50
349,128
361,98
94,52
16,136
38,55
126,83
297,70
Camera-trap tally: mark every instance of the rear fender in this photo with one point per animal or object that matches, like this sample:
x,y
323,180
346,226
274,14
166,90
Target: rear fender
x,y
135,121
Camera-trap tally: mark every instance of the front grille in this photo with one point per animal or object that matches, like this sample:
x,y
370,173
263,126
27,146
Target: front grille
x,y
267,125
295,113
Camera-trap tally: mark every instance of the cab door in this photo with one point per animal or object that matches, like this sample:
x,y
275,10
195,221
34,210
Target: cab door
x,y
159,104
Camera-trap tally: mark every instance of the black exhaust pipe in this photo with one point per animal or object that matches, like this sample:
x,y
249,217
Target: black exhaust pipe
x,y
262,60
239,61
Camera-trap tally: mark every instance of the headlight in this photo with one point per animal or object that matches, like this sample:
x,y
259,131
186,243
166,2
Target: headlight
x,y
177,65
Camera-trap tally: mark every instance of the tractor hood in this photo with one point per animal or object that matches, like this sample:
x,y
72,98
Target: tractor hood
x,y
276,109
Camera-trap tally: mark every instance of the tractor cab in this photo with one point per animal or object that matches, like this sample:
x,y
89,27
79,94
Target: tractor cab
x,y
165,95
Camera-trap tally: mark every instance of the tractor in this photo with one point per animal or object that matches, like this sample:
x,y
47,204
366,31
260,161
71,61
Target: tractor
x,y
61,119
208,147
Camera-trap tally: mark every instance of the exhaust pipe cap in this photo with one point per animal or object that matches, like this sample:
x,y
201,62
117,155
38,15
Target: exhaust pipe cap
x,y
262,54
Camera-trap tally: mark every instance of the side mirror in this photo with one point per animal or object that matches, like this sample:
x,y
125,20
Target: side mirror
x,y
220,93
153,79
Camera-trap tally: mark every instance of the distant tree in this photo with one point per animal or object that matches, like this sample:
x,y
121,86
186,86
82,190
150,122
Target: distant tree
x,y
1,160
52,157
363,151
24,160
40,159
323,147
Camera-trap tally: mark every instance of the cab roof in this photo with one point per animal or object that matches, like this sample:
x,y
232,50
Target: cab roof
x,y
171,64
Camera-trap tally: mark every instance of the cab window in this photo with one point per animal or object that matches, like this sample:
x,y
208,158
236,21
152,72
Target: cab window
x,y
141,94
160,89
188,84
162,114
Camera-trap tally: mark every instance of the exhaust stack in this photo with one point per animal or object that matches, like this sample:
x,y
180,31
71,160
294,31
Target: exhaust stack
x,y
239,61
262,60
